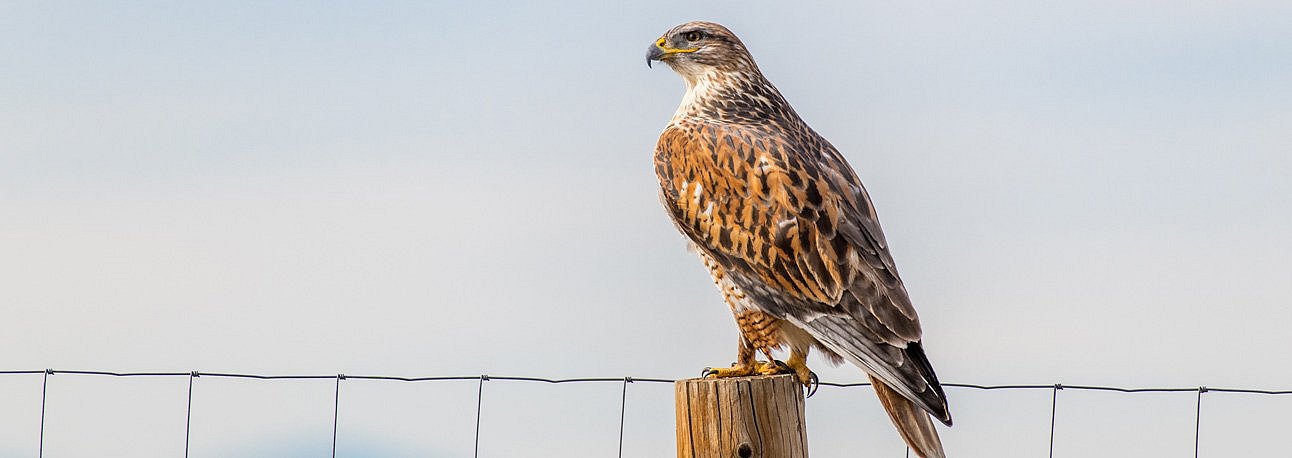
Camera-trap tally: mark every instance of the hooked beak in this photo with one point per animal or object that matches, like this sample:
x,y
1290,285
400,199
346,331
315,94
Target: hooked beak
x,y
660,51
654,53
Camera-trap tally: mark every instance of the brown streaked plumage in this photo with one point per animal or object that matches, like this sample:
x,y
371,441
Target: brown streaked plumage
x,y
787,231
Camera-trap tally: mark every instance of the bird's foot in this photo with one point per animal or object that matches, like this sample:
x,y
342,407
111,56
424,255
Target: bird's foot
x,y
805,376
811,385
772,367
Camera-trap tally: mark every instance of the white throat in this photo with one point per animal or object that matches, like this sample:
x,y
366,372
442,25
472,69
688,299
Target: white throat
x,y
698,88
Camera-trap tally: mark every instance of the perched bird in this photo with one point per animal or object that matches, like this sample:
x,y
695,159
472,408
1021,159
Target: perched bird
x,y
788,232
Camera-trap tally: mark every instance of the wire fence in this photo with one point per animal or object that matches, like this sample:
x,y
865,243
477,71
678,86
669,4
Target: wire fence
x,y
625,381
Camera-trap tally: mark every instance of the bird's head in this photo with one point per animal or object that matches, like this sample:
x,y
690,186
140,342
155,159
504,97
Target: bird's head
x,y
698,48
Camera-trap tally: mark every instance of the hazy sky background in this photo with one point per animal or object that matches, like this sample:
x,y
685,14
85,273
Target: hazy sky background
x,y
1075,192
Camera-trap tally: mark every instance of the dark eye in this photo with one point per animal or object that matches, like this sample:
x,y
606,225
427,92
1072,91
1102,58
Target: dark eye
x,y
693,36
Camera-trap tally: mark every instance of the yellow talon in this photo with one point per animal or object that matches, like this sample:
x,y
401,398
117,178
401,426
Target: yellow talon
x,y
798,365
744,370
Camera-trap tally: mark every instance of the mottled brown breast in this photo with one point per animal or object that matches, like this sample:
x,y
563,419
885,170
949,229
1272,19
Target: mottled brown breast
x,y
741,196
785,215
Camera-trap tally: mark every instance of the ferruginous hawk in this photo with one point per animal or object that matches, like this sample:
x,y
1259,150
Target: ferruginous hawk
x,y
788,232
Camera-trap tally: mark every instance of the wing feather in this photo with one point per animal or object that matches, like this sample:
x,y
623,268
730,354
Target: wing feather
x,y
792,225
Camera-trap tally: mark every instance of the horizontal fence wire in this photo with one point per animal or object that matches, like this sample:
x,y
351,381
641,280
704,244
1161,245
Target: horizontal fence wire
x,y
487,378
481,379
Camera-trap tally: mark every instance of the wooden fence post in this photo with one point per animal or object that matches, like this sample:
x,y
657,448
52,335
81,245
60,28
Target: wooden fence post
x,y
742,417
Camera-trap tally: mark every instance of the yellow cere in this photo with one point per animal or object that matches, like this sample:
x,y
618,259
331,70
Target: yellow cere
x,y
668,50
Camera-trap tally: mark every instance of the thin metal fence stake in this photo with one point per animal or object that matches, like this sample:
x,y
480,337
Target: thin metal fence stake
x,y
1054,403
1197,420
479,402
623,406
188,412
336,410
44,388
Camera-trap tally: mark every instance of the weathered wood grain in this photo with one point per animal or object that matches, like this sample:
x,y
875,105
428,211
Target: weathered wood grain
x,y
749,417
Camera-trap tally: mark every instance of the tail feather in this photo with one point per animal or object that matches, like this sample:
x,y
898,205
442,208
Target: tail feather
x,y
911,421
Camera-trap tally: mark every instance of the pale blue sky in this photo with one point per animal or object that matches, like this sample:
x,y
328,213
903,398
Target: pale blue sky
x,y
1078,192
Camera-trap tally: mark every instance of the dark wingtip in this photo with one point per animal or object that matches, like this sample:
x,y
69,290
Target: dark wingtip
x,y
938,400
